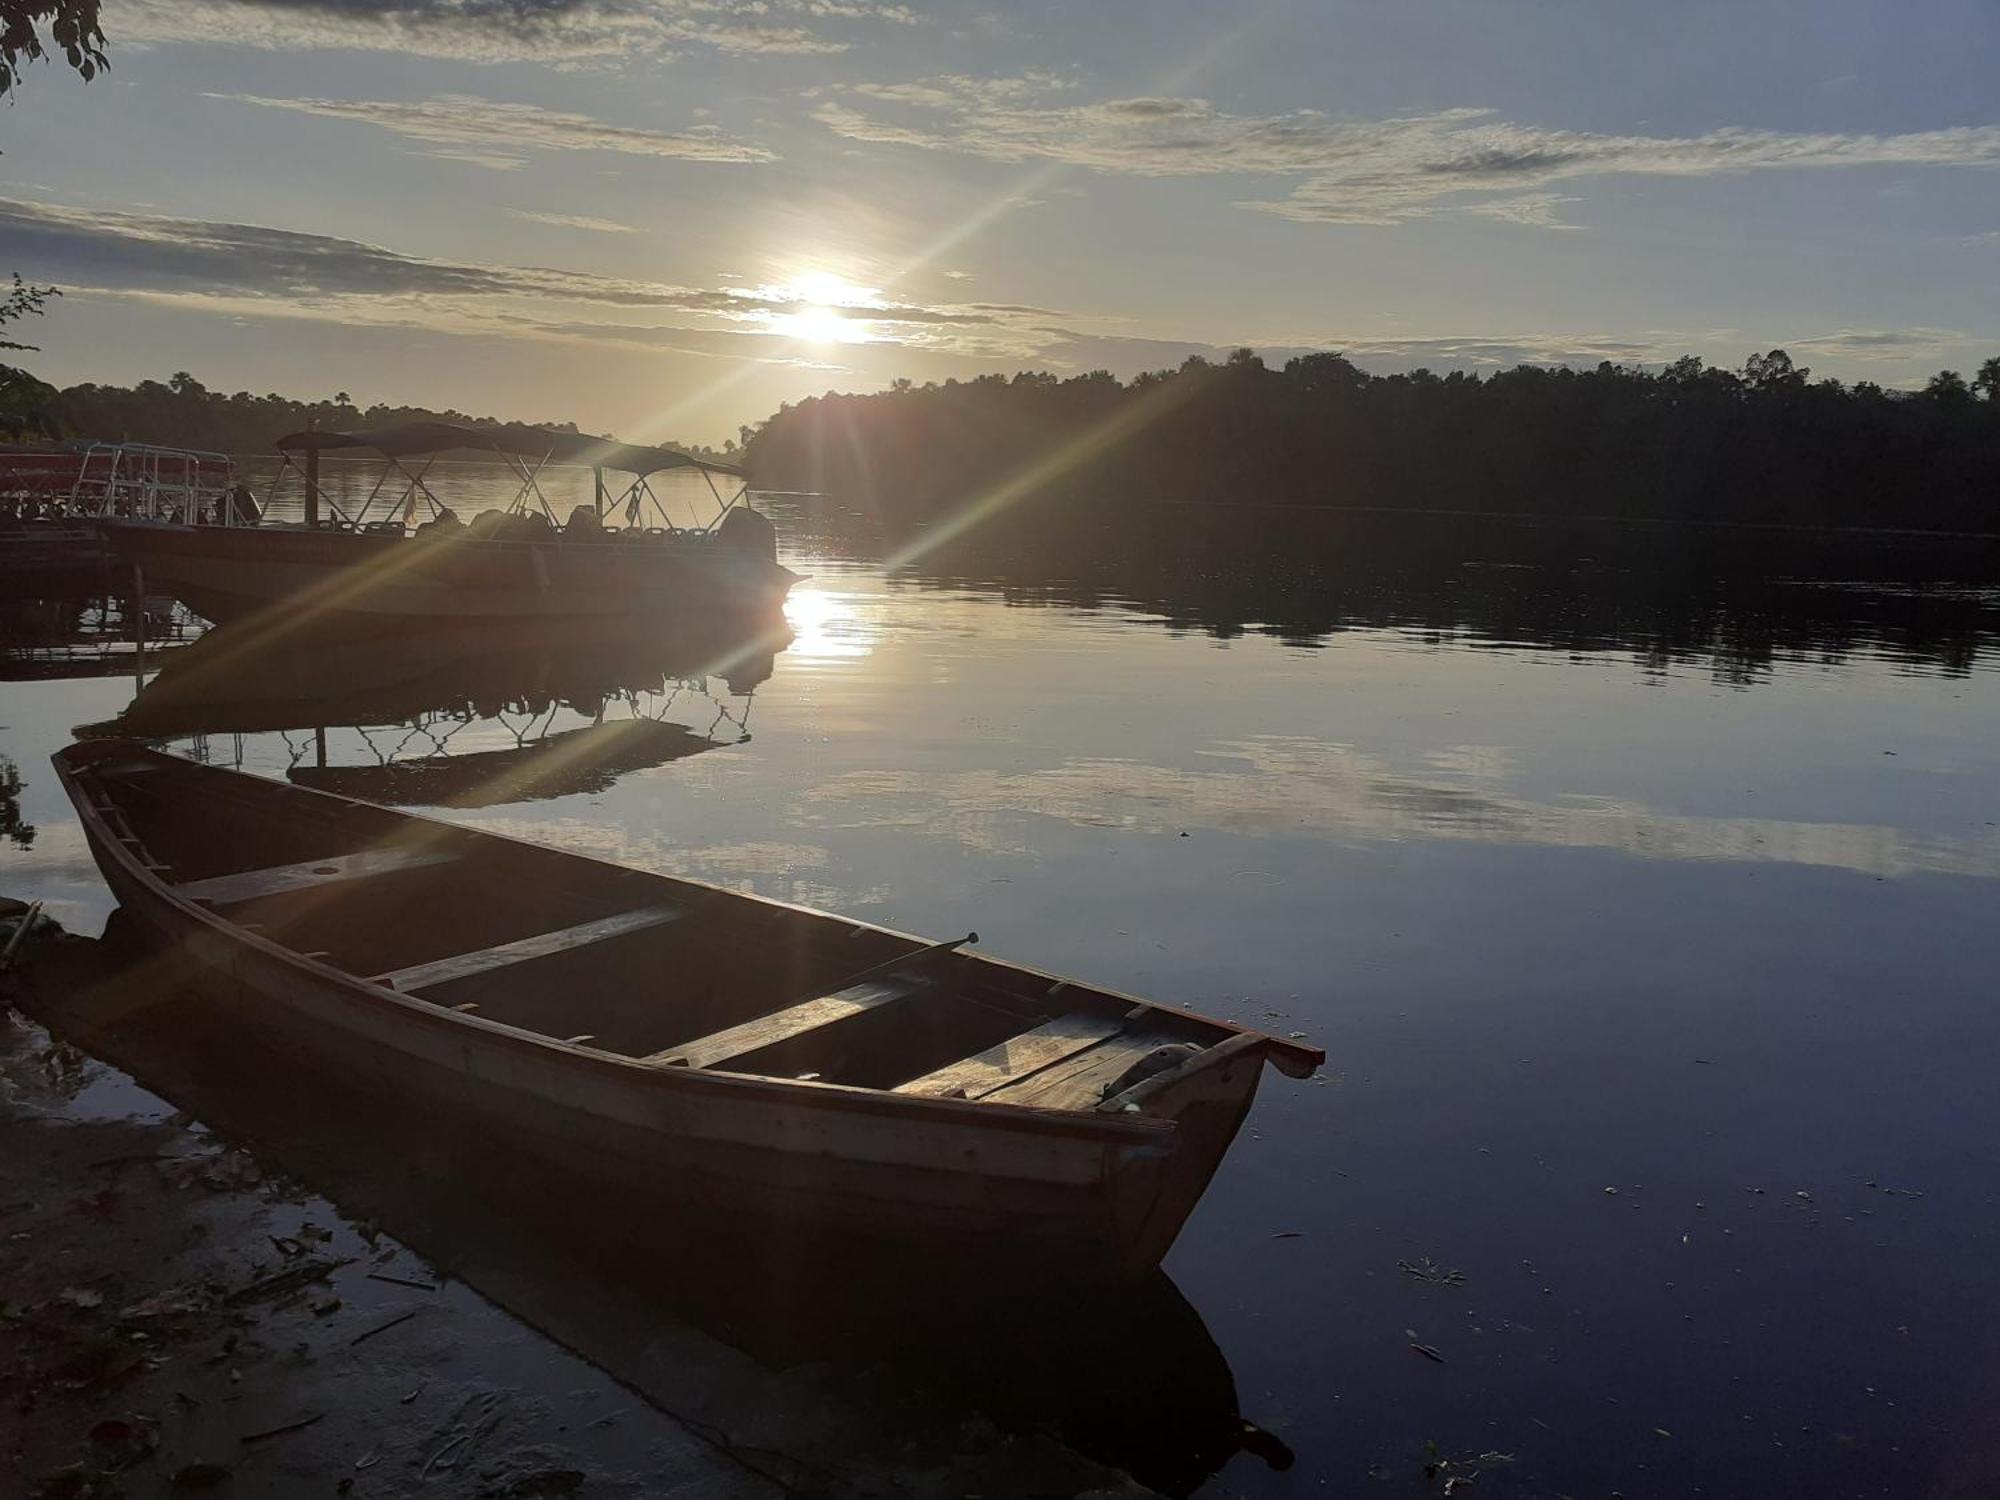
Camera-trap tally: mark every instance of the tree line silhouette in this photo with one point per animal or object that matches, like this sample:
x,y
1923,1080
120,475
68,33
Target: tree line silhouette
x,y
1765,443
181,412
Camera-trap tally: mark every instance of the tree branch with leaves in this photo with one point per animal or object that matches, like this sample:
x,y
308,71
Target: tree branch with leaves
x,y
24,300
72,30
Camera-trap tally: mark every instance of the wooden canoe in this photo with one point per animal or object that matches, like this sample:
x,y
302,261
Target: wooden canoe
x,y
673,1037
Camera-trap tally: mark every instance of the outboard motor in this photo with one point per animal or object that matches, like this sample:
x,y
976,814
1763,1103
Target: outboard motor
x,y
749,530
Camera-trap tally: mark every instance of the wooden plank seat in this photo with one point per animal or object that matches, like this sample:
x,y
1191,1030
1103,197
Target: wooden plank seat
x,y
277,880
539,945
720,1048
1015,1059
1080,1081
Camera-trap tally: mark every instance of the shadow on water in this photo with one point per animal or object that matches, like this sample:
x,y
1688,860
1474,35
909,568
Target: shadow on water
x,y
1738,599
433,684
939,1359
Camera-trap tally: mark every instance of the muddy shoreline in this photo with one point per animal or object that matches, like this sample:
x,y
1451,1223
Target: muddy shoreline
x,y
181,1317
715,1366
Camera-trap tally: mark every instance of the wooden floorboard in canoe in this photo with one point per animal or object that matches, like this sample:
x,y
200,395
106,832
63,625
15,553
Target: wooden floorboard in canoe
x,y
721,1047
1014,1059
1078,1081
540,945
277,880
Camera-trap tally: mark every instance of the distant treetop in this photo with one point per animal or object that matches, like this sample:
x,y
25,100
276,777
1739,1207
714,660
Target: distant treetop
x,y
1766,443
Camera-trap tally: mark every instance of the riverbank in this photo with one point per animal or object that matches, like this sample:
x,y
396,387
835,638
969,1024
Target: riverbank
x,y
496,1274
181,1315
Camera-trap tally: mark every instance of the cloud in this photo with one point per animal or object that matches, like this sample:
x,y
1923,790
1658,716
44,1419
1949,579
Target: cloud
x,y
1376,172
119,248
500,131
1881,343
223,269
1125,355
254,270
1504,353
562,32
796,40
479,31
574,221
1534,210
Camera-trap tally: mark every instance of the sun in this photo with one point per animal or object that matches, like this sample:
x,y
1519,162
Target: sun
x,y
823,308
818,325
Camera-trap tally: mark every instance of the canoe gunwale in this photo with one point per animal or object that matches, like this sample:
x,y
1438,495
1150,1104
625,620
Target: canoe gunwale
x,y
74,767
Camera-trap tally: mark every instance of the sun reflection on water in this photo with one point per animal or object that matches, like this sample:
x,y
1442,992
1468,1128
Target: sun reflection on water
x,y
826,626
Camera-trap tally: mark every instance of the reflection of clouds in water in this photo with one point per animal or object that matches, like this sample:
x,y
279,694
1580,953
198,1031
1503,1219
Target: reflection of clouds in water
x,y
1306,787
837,898
718,860
650,851
764,868
1476,762
59,851
54,870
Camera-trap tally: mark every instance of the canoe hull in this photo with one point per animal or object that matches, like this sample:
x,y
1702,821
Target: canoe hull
x,y
232,573
802,1159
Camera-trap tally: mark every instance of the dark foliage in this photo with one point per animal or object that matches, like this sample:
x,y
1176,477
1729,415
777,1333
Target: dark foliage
x,y
73,31
184,413
1764,444
23,300
27,407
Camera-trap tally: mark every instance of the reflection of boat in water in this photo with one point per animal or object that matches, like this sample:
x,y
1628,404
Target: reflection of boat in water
x,y
521,562
816,1069
1122,1371
52,632
565,764
246,680
441,683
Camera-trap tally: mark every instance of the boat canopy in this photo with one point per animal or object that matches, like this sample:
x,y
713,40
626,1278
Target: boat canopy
x,y
538,444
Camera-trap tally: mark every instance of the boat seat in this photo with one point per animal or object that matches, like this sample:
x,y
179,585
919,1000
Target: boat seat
x,y
1080,1081
1014,1059
723,1047
277,880
540,945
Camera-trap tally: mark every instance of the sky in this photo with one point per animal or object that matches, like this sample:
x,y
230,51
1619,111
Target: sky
x,y
663,218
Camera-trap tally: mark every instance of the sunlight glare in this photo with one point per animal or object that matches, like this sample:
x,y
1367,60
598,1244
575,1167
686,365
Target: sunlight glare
x,y
819,325
827,290
824,626
824,308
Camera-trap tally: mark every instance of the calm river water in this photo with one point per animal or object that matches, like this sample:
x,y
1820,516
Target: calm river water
x,y
1640,887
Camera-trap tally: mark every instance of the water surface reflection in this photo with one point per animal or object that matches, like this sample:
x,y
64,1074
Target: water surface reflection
x,y
1635,859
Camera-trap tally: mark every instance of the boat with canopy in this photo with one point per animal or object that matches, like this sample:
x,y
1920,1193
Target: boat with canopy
x,y
403,553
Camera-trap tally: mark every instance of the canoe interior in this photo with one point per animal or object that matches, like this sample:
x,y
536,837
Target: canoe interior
x,y
645,966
